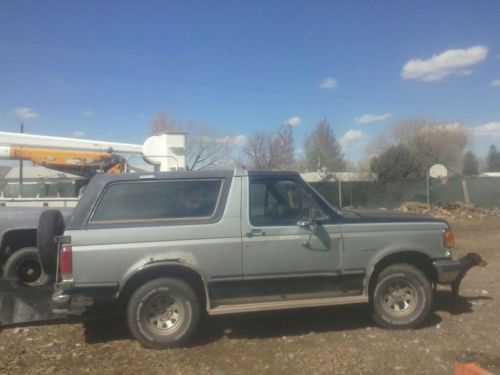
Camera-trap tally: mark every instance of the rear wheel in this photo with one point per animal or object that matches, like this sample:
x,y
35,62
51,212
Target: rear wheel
x,y
163,313
25,267
402,297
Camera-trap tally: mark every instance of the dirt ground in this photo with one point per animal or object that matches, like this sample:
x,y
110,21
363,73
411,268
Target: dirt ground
x,y
341,340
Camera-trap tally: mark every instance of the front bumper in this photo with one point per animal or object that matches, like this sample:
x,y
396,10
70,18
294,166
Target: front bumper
x,y
450,271
453,271
447,270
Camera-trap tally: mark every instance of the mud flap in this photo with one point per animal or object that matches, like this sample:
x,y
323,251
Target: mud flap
x,y
22,305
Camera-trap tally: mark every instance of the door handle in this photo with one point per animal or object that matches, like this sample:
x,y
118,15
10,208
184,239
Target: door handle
x,y
255,232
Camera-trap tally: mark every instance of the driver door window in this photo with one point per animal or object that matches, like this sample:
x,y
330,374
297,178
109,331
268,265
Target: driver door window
x,y
281,202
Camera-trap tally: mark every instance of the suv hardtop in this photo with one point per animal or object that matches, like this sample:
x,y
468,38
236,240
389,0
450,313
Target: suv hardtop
x,y
169,245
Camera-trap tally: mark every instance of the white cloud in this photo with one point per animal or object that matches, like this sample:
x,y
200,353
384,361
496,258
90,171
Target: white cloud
x,y
350,136
490,130
366,119
328,83
452,61
78,134
88,114
25,113
294,121
495,83
238,140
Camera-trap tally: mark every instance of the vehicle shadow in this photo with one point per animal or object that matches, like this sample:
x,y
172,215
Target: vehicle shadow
x,y
297,322
106,329
444,301
249,326
108,325
290,323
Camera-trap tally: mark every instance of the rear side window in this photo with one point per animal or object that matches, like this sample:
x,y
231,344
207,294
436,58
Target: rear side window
x,y
153,200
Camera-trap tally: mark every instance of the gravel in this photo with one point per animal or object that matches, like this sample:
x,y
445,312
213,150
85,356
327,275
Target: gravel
x,y
342,340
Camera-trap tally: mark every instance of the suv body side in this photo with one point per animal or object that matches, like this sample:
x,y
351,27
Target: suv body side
x,y
241,261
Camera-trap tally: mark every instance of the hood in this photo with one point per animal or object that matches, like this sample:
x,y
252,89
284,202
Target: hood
x,y
383,216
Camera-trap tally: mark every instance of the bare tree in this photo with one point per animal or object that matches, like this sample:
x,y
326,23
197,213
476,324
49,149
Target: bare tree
x,y
206,148
161,123
322,149
258,150
427,142
282,151
271,151
439,143
374,148
407,129
377,146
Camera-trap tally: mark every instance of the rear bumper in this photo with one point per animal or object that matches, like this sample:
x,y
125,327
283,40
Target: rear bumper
x,y
60,301
76,300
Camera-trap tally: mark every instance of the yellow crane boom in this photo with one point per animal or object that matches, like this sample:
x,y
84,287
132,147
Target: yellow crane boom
x,y
82,163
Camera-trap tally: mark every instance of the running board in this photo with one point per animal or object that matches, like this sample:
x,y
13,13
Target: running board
x,y
282,305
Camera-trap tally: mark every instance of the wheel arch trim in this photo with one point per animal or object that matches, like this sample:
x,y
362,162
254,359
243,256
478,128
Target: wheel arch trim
x,y
153,264
404,252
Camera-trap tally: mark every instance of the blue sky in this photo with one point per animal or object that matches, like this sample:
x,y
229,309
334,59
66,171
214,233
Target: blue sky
x,y
102,70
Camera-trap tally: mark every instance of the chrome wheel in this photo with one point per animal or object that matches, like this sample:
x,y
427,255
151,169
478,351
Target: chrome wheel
x,y
163,314
399,299
402,297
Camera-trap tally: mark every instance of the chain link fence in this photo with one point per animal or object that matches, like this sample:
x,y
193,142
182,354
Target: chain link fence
x,y
479,191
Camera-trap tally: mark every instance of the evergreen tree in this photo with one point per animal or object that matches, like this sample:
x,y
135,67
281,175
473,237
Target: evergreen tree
x,y
493,159
323,150
471,164
397,162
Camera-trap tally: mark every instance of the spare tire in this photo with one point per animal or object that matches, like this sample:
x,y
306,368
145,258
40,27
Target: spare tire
x,y
50,225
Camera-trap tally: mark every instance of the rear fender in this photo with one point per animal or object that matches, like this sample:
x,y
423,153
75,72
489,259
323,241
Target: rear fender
x,y
172,259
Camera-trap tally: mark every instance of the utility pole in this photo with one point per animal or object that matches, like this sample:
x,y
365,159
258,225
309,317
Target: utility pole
x,y
340,193
21,169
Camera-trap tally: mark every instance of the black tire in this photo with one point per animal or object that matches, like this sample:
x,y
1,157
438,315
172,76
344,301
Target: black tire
x,y
163,313
402,297
24,266
50,225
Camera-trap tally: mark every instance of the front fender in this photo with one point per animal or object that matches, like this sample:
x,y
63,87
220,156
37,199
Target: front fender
x,y
406,249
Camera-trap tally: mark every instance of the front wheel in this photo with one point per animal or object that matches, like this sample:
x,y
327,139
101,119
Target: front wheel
x,y
163,313
402,297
